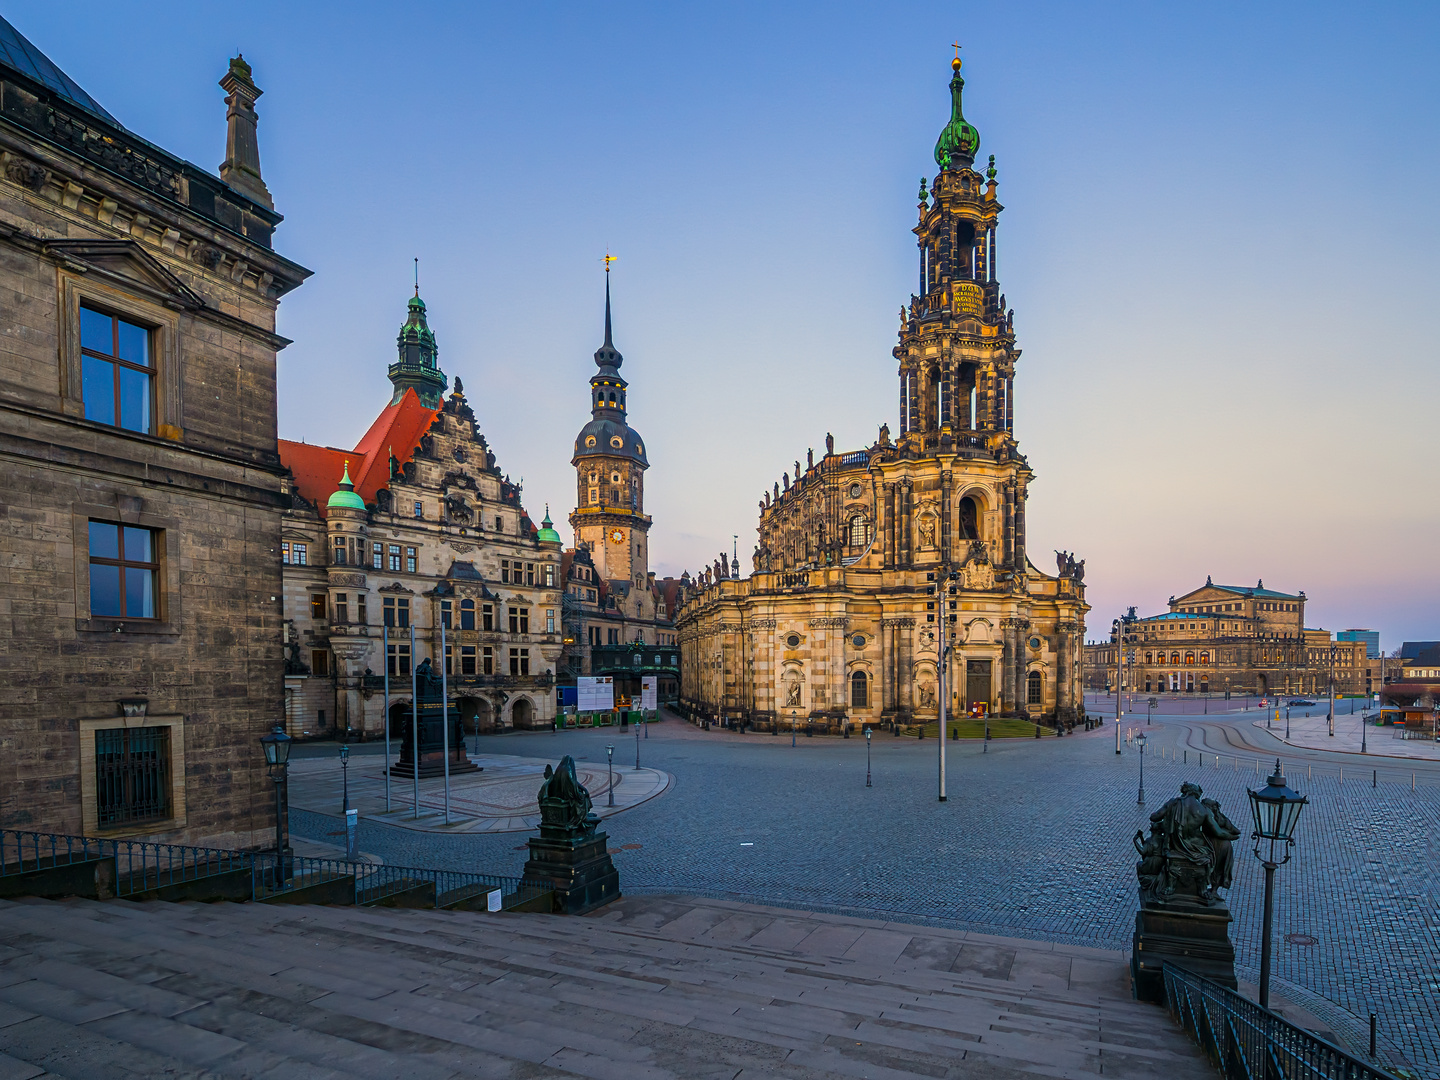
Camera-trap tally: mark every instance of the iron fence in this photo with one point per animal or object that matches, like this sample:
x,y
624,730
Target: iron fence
x,y
1247,1042
143,867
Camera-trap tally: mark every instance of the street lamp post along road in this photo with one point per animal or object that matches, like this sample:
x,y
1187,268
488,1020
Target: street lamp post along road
x,y
277,758
1140,741
1276,810
867,755
345,776
610,772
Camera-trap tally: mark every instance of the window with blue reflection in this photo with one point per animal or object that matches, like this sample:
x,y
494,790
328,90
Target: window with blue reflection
x,y
123,567
117,375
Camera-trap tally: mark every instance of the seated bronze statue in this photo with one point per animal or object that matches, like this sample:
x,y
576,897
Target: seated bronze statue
x,y
1187,858
564,801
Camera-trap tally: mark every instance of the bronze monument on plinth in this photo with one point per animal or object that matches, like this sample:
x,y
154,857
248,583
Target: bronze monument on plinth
x,y
1184,863
569,853
433,716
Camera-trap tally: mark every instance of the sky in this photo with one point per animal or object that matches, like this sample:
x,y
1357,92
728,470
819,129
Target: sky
x,y
1220,242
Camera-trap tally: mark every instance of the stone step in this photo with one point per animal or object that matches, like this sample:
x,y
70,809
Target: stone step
x,y
658,988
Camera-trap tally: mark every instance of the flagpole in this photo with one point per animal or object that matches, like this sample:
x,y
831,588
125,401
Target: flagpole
x,y
445,713
414,726
385,648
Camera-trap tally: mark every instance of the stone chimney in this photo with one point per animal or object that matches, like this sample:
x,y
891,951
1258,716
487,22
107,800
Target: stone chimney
x,y
241,167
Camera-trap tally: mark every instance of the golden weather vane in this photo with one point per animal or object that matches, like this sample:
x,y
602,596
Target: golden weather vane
x,y
609,259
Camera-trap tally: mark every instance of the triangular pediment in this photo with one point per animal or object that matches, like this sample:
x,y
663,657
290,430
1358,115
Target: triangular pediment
x,y
128,264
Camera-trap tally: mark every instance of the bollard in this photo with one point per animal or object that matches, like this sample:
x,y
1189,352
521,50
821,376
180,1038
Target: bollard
x,y
1307,772
1372,1035
1412,781
1374,778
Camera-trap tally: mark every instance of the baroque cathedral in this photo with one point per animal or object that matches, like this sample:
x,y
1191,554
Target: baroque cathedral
x,y
838,623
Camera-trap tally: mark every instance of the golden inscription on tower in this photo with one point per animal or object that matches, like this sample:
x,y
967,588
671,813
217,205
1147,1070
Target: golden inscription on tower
x,y
968,298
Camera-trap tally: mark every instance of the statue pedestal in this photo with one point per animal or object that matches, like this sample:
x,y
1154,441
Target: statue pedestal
x,y
1192,936
578,867
432,745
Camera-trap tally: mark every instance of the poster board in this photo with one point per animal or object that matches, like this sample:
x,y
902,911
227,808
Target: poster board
x,y
647,692
595,693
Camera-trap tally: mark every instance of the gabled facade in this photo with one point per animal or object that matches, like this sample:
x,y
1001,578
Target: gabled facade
x,y
838,623
140,606
416,527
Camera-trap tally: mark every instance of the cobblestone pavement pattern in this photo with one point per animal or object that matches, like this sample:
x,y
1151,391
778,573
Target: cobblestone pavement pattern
x,y
1033,842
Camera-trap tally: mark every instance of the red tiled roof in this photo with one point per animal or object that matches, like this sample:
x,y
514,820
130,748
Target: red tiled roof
x,y
317,469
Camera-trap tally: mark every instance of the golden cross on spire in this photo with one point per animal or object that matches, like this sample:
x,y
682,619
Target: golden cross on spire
x,y
608,260
956,46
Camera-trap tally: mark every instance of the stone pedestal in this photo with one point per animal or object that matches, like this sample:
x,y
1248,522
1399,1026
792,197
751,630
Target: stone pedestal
x,y
432,745
1192,936
578,867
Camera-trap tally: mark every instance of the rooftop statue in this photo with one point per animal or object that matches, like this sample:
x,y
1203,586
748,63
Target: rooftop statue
x,y
564,801
1187,857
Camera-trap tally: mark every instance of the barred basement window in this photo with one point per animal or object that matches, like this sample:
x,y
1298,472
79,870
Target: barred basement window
x,y
132,775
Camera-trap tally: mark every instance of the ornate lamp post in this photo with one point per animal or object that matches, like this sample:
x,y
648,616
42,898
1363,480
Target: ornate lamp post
x,y
637,746
867,755
277,758
1364,724
610,772
1331,677
1140,741
345,774
1276,810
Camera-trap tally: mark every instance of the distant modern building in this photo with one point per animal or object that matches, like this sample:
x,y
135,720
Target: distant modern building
x,y
1371,638
143,489
1230,639
416,527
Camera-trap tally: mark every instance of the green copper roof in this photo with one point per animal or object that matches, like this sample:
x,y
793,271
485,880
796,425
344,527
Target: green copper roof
x,y
959,141
345,496
546,533
416,330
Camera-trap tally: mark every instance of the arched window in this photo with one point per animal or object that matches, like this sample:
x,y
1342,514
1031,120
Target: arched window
x,y
1034,688
859,531
1149,658
859,691
1174,658
612,397
969,519
1204,658
467,614
1189,658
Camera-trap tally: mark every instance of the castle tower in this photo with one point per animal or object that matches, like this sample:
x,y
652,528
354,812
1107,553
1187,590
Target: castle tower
x,y
610,464
416,367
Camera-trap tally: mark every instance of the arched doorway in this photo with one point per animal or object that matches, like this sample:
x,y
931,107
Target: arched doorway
x,y
522,714
399,719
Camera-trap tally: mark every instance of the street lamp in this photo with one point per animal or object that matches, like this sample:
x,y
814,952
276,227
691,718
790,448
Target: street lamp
x,y
867,755
1364,723
1276,810
637,746
345,774
610,772
277,758
1140,741
1330,676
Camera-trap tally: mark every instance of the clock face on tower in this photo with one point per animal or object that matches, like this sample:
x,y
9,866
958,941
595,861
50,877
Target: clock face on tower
x,y
616,536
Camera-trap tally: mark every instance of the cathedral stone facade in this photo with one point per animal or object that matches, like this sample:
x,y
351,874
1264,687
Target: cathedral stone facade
x,y
416,527
838,623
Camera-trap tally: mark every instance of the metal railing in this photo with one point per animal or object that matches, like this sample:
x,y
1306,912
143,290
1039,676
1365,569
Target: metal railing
x,y
1247,1042
143,867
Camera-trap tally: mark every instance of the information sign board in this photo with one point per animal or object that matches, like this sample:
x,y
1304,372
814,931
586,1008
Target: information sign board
x,y
647,692
595,693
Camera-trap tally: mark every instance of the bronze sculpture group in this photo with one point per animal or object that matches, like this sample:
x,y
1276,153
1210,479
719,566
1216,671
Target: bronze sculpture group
x,y
1187,858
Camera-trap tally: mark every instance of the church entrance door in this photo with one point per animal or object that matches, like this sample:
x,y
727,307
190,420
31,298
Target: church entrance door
x,y
977,682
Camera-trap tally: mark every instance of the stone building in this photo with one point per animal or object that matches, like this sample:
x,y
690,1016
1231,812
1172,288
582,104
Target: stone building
x,y
416,527
140,610
837,623
1231,639
612,597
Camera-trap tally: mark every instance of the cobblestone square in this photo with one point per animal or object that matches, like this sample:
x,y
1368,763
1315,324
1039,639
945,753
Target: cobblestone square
x,y
1033,842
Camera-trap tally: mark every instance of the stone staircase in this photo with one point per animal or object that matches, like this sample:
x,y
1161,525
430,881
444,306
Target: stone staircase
x,y
650,987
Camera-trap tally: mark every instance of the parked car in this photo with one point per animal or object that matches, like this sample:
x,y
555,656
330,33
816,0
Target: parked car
x,y
1300,701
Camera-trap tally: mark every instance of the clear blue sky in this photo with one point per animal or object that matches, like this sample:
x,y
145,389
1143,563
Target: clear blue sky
x,y
1220,244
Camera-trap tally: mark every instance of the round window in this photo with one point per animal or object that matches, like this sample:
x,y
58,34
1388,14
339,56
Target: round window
x,y
855,491
793,641
590,440
617,442
858,641
1034,643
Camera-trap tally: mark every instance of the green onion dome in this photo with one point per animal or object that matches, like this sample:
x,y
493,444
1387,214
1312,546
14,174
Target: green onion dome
x,y
547,534
959,142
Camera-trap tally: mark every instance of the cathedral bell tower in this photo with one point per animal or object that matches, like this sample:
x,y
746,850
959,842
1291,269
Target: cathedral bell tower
x,y
610,464
956,350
